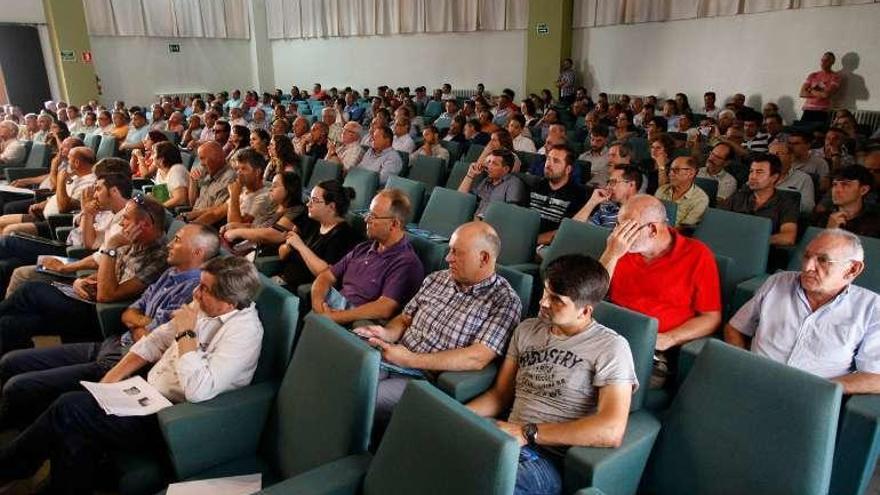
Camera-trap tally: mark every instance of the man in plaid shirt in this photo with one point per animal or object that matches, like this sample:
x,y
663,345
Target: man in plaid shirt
x,y
460,320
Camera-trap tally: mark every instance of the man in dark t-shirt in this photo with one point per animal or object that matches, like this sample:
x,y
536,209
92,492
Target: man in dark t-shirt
x,y
849,187
557,196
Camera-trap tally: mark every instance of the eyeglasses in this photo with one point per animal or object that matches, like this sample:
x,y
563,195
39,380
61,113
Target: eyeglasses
x,y
316,201
822,259
614,182
370,216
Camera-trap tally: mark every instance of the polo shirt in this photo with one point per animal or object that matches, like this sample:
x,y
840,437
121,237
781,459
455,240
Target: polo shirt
x,y
780,209
812,165
673,287
509,190
798,181
386,163
760,143
366,274
726,183
554,205
691,206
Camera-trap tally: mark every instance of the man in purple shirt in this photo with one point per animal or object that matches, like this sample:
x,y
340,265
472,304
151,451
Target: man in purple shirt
x,y
378,276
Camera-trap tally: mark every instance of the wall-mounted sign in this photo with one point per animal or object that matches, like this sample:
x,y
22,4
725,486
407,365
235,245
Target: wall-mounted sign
x,y
86,57
542,29
68,55
174,48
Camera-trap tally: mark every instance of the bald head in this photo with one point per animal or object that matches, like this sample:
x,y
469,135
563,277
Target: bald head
x,y
82,159
644,208
211,156
473,250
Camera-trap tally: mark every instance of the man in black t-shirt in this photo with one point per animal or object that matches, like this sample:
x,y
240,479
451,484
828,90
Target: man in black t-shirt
x,y
557,196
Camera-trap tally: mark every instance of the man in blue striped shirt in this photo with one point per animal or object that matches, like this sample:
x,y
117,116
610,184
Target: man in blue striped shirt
x,y
604,204
33,378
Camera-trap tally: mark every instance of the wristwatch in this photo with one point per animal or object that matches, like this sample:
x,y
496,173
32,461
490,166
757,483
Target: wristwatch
x,y
185,333
530,432
109,252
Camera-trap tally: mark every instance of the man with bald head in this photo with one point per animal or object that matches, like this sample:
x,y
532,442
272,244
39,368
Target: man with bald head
x,y
209,182
300,135
460,319
816,319
349,151
659,272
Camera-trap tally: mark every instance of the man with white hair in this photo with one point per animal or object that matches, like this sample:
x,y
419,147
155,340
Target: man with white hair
x,y
29,128
12,150
349,151
334,128
815,319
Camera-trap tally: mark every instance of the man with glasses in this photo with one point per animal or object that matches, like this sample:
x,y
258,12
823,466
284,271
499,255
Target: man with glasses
x,y
129,262
380,275
659,272
604,204
849,188
684,192
816,319
349,151
716,163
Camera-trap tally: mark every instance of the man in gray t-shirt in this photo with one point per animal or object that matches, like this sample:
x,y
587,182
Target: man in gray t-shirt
x,y
567,379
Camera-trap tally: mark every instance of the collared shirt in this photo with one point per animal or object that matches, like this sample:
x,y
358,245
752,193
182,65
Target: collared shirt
x,y
403,143
726,183
691,206
798,181
353,112
145,262
598,166
349,154
366,274
135,135
838,338
437,151
813,164
75,186
164,296
12,151
509,190
522,143
605,214
779,209
447,316
567,77
386,163
213,188
759,143
225,359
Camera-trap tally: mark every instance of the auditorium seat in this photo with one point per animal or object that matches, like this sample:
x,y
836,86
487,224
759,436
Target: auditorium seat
x,y
454,150
710,187
93,141
446,210
324,170
473,152
457,174
518,229
671,211
107,148
415,191
365,184
429,170
432,110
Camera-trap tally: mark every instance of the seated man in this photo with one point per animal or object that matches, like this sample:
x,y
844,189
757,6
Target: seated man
x,y
402,141
33,378
849,187
557,196
130,262
659,272
762,199
815,319
793,180
349,151
598,157
459,320
69,188
716,163
492,180
137,131
209,184
682,190
380,275
804,160
381,157
605,202
431,145
249,201
316,140
567,380
211,346
12,151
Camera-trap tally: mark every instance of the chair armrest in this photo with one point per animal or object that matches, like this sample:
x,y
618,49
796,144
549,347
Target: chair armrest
x,y
227,427
744,291
858,445
77,252
342,477
465,385
589,491
613,470
688,355
268,265
60,220
110,317
61,233
24,173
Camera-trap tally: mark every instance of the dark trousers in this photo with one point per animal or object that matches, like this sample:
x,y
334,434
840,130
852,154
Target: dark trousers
x,y
816,116
11,203
33,378
73,434
38,308
17,251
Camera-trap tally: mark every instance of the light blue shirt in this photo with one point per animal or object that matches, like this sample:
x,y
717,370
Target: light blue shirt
x,y
386,163
838,338
136,135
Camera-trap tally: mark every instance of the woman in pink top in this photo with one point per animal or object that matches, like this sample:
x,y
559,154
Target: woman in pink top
x,y
818,90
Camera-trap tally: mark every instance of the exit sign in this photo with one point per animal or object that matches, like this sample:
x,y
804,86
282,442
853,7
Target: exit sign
x,y
174,48
542,29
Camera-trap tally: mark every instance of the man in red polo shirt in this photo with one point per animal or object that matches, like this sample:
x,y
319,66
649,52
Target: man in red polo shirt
x,y
658,272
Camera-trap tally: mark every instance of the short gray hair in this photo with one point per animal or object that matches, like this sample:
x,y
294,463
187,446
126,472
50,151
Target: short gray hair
x,y
237,280
856,251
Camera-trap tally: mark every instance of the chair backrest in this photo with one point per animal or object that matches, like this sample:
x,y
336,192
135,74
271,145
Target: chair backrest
x,y
522,284
453,148
431,254
473,152
671,211
107,148
433,109
365,184
93,141
279,312
446,210
38,156
641,333
457,173
710,187
325,404
187,159
870,277
526,159
742,423
575,237
518,229
469,455
428,170
306,166
324,170
414,190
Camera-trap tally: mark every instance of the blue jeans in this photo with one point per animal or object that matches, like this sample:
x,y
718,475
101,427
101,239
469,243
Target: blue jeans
x,y
537,474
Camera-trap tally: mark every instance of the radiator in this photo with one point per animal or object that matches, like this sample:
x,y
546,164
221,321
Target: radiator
x,y
870,118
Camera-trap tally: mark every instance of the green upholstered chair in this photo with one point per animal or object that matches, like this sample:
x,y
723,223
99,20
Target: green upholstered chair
x,y
473,152
107,148
429,170
431,254
324,170
454,150
38,157
575,237
365,184
414,190
745,424
306,165
433,445
93,141
457,174
446,210
710,187
671,211
191,430
618,470
518,229
432,110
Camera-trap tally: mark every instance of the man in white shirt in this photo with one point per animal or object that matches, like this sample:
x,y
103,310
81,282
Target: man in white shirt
x,y
515,125
12,151
210,346
349,152
402,140
717,160
597,155
137,131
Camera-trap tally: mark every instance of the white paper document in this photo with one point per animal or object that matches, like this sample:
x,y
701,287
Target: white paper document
x,y
131,397
16,190
235,485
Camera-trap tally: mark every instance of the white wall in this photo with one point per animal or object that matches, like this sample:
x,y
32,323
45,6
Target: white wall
x,y
764,56
135,69
495,58
22,11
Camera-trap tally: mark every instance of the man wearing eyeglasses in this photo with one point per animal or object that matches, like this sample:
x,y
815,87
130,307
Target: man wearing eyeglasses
x,y
684,192
815,319
605,202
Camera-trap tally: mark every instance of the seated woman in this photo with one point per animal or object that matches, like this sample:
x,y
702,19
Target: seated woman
x,y
259,141
307,254
238,139
282,157
142,161
171,173
290,214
